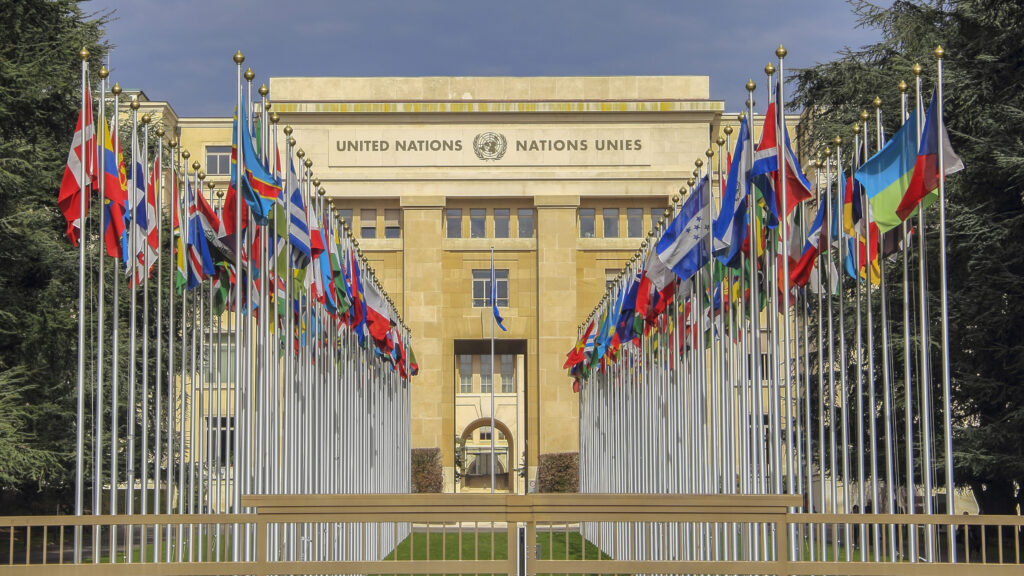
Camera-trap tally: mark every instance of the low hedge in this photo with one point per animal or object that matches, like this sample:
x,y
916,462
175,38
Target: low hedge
x,y
427,475
559,472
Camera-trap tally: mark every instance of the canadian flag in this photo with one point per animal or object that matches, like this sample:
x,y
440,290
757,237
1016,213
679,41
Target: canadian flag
x,y
83,150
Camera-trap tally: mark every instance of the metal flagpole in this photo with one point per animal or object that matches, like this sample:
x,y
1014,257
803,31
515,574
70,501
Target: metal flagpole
x,y
143,458
80,387
171,332
115,330
494,302
867,219
240,167
97,471
833,214
947,407
133,284
844,407
909,490
157,379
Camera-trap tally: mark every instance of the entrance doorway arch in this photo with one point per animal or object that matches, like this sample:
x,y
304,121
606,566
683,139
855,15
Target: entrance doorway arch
x,y
482,422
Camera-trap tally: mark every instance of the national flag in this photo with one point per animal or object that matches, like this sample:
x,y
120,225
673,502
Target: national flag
x,y
800,272
260,187
494,296
625,328
83,151
766,162
115,201
576,355
198,263
358,321
925,178
854,212
378,317
414,366
684,246
141,223
152,223
298,232
232,205
730,227
886,176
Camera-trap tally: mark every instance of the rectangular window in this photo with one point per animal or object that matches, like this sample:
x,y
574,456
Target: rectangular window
x,y
465,374
482,287
525,216
392,223
218,160
501,218
223,433
586,222
634,222
508,373
485,374
222,369
368,223
485,433
611,222
346,215
477,223
453,222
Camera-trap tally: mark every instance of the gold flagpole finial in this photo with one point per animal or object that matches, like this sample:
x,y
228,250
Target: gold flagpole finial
x,y
146,119
838,140
769,69
220,193
698,163
750,85
721,139
291,141
202,175
316,182
877,102
903,86
239,57
917,69
675,197
288,130
856,128
863,114
195,165
728,129
134,104
116,90
186,154
939,52
709,152
828,152
781,51
103,72
274,118
301,153
308,163
249,74
263,90
173,143
84,53
160,132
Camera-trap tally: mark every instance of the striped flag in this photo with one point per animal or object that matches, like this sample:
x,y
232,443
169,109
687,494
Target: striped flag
x,y
83,150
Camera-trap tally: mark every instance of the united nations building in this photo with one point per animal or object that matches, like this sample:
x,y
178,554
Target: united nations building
x,y
561,176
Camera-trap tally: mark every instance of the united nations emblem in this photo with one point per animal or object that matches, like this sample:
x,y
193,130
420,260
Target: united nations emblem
x,y
489,146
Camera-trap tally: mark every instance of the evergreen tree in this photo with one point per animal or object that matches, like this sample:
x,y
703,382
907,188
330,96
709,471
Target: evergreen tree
x,y
39,101
984,114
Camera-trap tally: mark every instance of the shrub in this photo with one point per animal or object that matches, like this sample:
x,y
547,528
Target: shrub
x,y
559,472
427,475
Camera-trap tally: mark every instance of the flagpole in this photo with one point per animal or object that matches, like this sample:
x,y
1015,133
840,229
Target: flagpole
x,y
80,387
833,215
115,348
184,375
947,420
173,145
157,395
844,407
240,166
755,321
132,341
97,474
909,490
494,302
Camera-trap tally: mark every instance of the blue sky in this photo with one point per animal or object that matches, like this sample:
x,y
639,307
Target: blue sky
x,y
180,50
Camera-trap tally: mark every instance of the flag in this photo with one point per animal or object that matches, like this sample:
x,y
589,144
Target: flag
x,y
198,263
800,272
115,201
232,205
657,286
730,227
683,247
358,321
766,162
577,355
83,151
152,225
494,296
141,219
886,175
298,232
260,187
925,178
378,320
853,210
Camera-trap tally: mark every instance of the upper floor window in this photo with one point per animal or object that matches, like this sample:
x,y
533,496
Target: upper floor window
x,y
482,287
586,222
611,222
501,222
477,222
465,374
525,217
368,223
485,374
392,223
634,222
508,373
346,215
453,222
218,159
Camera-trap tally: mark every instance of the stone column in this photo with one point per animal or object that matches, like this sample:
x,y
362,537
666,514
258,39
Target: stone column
x,y
553,412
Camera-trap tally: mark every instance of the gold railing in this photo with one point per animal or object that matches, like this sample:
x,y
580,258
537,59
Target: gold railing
x,y
469,533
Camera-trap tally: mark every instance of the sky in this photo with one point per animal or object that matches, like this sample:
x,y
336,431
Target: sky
x,y
180,50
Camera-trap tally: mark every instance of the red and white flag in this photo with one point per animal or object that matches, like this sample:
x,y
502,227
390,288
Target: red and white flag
x,y
83,150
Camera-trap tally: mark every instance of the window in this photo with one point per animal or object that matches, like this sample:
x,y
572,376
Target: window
x,y
453,222
482,287
465,374
223,429
586,222
223,369
368,223
477,223
525,222
346,215
485,374
485,433
218,159
392,223
508,373
634,222
501,218
611,222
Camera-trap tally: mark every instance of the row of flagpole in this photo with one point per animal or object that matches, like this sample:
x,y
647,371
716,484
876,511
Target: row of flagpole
x,y
722,360
287,367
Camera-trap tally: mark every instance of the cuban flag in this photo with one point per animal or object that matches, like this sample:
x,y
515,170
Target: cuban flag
x,y
684,247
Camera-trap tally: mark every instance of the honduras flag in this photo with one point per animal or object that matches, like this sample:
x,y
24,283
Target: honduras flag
x,y
684,246
730,228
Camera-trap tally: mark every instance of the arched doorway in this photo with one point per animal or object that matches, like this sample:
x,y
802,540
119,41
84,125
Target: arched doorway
x,y
501,427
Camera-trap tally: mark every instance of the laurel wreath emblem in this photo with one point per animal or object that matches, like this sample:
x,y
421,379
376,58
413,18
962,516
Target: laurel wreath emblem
x,y
489,146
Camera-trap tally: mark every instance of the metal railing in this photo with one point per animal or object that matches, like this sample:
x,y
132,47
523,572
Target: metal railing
x,y
553,533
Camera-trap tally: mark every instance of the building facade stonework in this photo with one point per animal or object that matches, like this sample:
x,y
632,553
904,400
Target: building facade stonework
x,y
562,176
